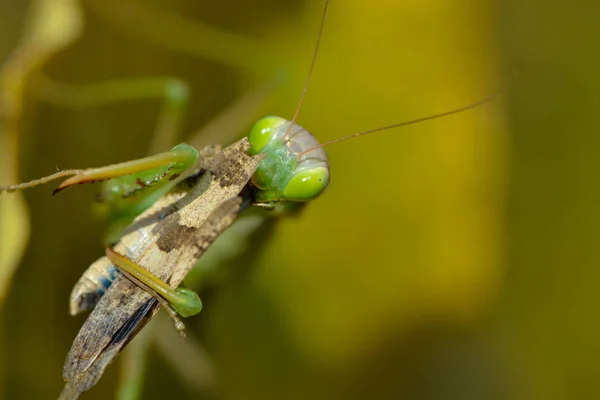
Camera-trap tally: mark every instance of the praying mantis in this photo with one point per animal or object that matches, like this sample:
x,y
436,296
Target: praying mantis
x,y
240,153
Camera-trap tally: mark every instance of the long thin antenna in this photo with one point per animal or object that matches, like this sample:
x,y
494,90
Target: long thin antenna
x,y
414,121
312,67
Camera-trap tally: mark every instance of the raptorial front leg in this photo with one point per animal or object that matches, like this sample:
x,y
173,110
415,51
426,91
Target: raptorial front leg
x,y
126,177
182,301
142,175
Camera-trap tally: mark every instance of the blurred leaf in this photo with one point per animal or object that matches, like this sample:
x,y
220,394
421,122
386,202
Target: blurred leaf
x,y
14,221
14,229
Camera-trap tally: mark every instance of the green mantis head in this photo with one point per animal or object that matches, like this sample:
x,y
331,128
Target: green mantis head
x,y
289,172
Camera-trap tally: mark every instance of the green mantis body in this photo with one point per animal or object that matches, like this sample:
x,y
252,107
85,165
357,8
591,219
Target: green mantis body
x,y
282,176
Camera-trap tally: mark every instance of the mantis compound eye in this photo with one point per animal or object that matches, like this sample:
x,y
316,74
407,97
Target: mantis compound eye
x,y
262,132
307,184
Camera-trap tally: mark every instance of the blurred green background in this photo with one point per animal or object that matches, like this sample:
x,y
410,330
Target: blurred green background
x,y
449,260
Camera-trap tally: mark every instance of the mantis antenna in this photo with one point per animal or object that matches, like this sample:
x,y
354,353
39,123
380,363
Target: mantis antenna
x,y
310,70
411,122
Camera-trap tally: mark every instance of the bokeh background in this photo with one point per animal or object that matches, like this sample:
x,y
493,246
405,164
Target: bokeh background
x,y
453,259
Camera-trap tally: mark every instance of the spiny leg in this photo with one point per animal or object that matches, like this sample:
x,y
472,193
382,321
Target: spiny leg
x,y
181,300
137,175
129,188
41,181
134,175
122,199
